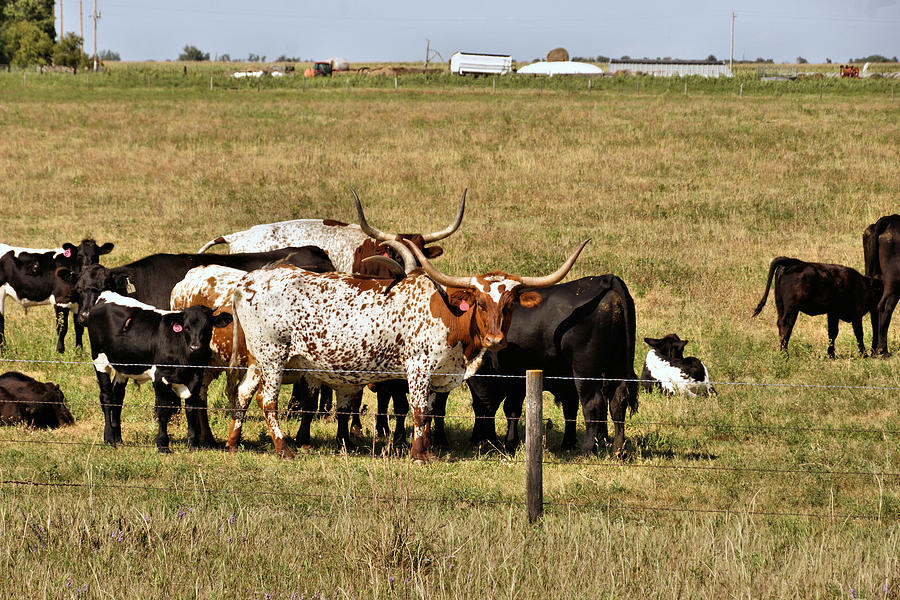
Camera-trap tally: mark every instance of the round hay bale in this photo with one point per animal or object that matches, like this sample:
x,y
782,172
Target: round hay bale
x,y
557,55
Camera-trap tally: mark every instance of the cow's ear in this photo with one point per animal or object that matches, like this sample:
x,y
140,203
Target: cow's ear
x,y
106,248
680,344
530,299
652,342
461,300
69,250
433,252
222,320
176,322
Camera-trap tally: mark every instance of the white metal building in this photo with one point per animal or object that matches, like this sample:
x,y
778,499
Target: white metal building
x,y
669,68
480,63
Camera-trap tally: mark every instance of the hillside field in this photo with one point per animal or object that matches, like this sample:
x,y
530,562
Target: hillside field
x,y
787,484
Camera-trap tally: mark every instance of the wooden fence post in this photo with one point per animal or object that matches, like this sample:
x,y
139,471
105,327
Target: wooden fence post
x,y
741,95
534,449
210,84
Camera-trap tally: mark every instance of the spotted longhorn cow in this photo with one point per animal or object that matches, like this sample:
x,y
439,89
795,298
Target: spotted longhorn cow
x,y
347,245
347,332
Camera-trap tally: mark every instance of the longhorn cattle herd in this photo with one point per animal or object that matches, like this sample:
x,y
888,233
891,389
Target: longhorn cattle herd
x,y
323,303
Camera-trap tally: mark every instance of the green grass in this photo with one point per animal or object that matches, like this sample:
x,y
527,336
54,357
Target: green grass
x,y
772,489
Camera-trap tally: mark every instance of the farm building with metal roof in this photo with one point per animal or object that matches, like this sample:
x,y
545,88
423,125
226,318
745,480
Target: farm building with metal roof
x,y
669,68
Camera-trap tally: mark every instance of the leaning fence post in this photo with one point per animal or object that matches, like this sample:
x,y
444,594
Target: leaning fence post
x,y
534,448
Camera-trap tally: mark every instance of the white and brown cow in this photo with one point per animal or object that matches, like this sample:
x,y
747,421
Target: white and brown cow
x,y
346,332
347,245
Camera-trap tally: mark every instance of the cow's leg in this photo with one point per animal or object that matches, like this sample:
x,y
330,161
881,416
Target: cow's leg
x,y
347,402
512,408
567,396
858,332
307,410
2,318
167,404
79,329
593,407
833,325
419,399
383,395
267,398
107,403
195,411
438,412
62,327
326,401
617,407
873,316
401,409
786,322
245,391
887,305
356,428
486,400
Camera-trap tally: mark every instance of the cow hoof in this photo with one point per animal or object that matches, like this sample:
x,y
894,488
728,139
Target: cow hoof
x,y
286,453
164,450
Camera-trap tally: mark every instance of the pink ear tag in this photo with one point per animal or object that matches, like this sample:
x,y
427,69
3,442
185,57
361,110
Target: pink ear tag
x,y
176,327
68,253
386,254
464,306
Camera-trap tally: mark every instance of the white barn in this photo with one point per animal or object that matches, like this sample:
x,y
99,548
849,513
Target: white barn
x,y
669,68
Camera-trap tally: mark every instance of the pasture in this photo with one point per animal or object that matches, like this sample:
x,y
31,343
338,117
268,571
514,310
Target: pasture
x,y
785,485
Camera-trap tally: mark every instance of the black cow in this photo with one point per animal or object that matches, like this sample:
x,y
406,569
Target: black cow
x,y
150,280
819,288
132,340
667,369
581,332
36,404
28,275
881,247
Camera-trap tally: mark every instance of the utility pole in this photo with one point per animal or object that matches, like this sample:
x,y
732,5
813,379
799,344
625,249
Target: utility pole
x,y
731,61
427,49
96,16
81,20
62,31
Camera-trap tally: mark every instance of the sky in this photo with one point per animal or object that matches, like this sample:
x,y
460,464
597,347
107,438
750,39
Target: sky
x,y
364,30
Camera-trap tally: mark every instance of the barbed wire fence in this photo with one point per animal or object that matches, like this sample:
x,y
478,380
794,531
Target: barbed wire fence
x,y
535,507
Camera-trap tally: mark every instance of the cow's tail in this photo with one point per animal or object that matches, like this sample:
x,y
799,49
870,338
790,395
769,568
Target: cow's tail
x,y
211,243
630,327
776,262
236,370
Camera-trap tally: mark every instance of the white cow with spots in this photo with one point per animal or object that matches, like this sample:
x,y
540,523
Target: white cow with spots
x,y
346,332
346,245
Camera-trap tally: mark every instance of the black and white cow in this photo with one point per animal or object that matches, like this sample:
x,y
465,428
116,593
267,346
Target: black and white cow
x,y
133,340
29,276
31,402
667,369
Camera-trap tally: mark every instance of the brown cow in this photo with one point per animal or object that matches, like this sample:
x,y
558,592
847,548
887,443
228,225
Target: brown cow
x,y
36,404
819,288
881,247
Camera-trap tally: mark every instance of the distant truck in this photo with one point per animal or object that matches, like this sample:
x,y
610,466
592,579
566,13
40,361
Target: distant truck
x,y
466,63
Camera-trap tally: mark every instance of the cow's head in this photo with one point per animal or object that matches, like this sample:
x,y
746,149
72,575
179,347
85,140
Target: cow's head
x,y
86,253
418,239
194,326
93,281
483,304
668,346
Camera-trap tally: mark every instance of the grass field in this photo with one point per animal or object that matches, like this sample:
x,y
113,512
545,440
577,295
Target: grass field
x,y
785,485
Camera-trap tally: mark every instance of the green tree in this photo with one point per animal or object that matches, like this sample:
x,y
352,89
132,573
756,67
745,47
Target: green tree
x,y
193,53
109,55
801,60
25,44
67,52
39,12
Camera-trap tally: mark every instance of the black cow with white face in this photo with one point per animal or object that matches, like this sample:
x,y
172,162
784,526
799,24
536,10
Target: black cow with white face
x,y
31,402
132,340
667,369
29,276
842,293
582,336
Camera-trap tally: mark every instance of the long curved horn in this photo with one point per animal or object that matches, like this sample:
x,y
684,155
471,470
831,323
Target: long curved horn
x,y
557,276
463,282
368,229
439,235
392,265
409,261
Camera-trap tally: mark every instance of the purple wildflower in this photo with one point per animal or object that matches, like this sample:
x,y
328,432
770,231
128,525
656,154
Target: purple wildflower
x,y
885,588
231,519
853,593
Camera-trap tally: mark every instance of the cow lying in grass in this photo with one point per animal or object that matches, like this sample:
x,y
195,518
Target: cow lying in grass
x,y
36,404
844,294
666,369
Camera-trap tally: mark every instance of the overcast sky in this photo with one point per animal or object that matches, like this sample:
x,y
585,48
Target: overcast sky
x,y
363,31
